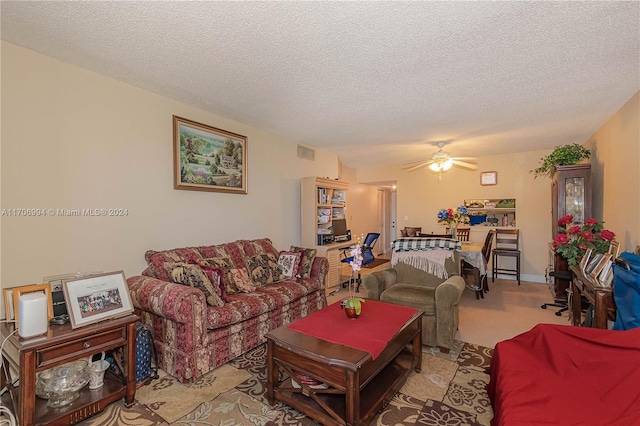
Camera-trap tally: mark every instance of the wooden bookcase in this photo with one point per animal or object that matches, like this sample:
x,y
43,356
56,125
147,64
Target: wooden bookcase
x,y
322,201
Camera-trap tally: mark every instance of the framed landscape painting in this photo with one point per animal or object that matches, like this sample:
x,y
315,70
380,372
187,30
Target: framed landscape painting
x,y
208,159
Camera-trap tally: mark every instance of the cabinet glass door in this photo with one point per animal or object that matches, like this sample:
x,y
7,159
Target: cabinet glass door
x,y
574,199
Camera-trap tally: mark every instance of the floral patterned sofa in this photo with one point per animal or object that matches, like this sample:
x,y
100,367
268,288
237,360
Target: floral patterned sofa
x,y
196,331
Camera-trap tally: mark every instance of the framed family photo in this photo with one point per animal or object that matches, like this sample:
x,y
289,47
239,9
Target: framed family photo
x,y
208,159
94,298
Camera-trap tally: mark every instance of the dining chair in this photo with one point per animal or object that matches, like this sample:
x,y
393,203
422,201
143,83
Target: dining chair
x,y
467,268
462,234
507,245
411,231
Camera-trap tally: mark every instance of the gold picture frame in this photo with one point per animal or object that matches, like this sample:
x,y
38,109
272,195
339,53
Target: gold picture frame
x,y
12,296
614,249
208,159
598,267
9,312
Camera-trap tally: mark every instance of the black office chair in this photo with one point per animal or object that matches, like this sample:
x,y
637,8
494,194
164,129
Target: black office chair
x,y
562,275
367,256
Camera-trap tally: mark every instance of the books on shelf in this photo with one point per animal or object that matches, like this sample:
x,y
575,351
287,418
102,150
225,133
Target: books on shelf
x,y
323,197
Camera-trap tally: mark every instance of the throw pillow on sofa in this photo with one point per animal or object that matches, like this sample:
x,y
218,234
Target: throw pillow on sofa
x,y
235,279
216,276
290,261
276,270
192,275
157,259
308,256
263,269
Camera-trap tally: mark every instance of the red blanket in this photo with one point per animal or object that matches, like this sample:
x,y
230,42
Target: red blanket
x,y
371,332
563,375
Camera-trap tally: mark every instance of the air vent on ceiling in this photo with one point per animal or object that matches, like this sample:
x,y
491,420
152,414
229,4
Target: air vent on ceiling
x,y
306,153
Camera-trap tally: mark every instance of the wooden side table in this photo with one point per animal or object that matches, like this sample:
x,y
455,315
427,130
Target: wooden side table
x,y
60,345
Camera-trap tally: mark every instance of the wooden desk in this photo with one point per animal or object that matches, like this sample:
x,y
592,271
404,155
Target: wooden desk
x,y
333,253
600,297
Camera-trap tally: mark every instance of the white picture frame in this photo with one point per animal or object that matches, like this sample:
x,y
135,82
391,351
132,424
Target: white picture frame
x,y
606,274
96,298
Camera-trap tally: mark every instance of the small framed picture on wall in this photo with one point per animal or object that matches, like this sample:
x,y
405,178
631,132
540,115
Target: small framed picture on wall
x,y
488,178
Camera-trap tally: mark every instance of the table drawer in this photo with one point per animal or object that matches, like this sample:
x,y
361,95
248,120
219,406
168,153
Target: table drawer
x,y
91,344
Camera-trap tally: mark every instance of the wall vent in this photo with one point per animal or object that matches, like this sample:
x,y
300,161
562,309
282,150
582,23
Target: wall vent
x,y
306,153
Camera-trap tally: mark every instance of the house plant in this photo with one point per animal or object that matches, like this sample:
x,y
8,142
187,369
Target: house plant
x,y
561,156
353,305
574,242
454,218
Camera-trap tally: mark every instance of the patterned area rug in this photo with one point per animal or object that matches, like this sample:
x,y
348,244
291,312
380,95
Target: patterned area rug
x,y
450,390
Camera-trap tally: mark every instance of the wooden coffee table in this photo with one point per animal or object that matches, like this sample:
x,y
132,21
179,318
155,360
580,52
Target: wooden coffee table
x,y
355,387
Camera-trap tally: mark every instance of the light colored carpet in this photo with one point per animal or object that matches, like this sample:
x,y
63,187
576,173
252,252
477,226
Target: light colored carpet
x,y
450,389
170,399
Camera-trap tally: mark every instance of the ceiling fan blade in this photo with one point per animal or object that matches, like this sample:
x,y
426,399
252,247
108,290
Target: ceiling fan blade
x,y
417,166
413,163
464,164
465,158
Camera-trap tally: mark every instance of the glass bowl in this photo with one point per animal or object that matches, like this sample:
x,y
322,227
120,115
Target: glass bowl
x,y
64,382
42,378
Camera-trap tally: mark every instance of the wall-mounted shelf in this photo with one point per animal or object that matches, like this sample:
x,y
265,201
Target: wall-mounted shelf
x,y
493,211
492,207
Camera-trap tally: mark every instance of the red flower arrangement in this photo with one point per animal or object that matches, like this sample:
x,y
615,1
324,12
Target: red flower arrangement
x,y
574,242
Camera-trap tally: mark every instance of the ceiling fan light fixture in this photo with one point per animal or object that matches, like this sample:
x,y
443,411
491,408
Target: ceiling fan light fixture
x,y
447,164
435,167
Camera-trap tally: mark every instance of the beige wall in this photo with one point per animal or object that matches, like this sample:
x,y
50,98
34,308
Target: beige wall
x,y
362,216
421,194
616,173
616,189
74,139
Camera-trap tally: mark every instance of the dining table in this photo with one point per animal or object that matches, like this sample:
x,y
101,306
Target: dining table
x,y
469,251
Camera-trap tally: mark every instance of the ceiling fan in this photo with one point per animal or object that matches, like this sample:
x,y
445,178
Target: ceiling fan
x,y
442,161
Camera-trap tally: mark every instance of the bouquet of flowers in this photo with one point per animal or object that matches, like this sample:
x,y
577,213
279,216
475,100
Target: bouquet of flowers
x,y
454,218
353,302
574,242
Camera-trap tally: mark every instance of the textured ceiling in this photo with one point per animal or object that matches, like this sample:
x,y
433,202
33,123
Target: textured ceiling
x,y
374,82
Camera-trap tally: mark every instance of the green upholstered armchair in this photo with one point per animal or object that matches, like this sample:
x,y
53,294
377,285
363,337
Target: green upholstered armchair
x,y
437,297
